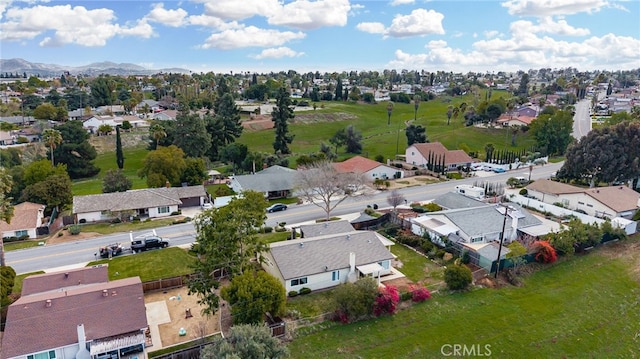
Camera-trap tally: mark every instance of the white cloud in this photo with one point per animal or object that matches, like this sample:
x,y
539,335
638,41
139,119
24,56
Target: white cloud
x,y
491,33
402,2
547,25
419,22
239,10
553,7
277,53
173,18
70,25
250,36
307,15
371,27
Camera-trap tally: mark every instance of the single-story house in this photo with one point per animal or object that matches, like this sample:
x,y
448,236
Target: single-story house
x,y
482,224
509,121
325,228
529,111
274,182
93,124
27,217
371,169
18,120
78,314
7,138
454,200
326,261
601,202
148,202
418,155
166,115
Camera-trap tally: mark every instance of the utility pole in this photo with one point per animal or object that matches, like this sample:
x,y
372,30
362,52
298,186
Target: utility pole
x,y
504,223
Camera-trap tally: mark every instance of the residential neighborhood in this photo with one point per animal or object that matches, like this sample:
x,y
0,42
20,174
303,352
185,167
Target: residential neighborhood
x,y
458,199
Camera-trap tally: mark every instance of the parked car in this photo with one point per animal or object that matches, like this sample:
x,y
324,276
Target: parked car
x,y
207,205
110,250
476,167
146,242
276,207
499,170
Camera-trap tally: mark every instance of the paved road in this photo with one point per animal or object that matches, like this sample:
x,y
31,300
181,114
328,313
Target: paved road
x,y
79,253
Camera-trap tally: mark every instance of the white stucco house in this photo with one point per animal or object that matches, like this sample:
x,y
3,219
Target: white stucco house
x,y
328,260
418,155
371,169
144,203
602,202
27,217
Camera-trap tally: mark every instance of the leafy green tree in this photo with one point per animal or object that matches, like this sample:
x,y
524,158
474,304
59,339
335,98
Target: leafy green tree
x,y
516,253
246,341
226,242
157,132
354,301
54,191
115,181
281,115
38,171
339,139
119,153
102,89
105,129
165,164
75,151
457,277
234,153
6,208
51,138
353,140
45,111
339,92
553,132
194,172
253,294
416,134
191,135
606,154
7,281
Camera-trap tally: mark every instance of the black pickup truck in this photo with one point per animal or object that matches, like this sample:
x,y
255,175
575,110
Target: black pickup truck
x,y
150,242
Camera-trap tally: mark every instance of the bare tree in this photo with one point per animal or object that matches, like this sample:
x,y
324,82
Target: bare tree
x,y
395,198
326,187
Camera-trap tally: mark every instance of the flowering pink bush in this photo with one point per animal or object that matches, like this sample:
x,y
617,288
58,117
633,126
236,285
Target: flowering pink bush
x,y
420,294
387,300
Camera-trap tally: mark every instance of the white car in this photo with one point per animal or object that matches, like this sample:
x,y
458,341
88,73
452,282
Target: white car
x,y
207,205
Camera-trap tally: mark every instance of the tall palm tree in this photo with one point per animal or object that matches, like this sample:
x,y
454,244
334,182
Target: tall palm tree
x,y
52,138
157,133
449,113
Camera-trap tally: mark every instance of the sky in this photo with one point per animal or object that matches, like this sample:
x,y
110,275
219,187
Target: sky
x,y
326,35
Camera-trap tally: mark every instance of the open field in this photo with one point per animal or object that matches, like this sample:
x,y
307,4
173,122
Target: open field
x,y
584,307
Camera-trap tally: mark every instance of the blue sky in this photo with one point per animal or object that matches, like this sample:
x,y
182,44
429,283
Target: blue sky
x,y
326,35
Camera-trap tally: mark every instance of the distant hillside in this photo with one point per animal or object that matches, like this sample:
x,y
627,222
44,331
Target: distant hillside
x,y
22,66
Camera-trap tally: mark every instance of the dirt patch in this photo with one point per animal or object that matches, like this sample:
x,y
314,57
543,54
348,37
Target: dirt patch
x,y
258,123
323,117
107,143
66,237
177,302
412,181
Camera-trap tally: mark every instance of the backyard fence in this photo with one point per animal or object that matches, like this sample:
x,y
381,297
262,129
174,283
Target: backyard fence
x,y
164,283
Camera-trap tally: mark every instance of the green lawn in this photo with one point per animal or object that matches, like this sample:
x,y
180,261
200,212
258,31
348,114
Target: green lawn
x,y
109,228
12,246
150,265
416,267
106,161
586,307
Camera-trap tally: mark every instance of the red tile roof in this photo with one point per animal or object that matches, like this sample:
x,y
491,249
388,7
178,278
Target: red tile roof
x,y
438,149
43,321
357,164
25,216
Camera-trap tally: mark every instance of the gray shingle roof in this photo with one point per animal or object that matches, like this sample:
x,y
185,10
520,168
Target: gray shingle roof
x,y
452,200
308,256
82,276
274,178
325,228
482,220
133,199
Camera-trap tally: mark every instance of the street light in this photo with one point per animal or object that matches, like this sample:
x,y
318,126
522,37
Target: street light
x,y
389,109
416,103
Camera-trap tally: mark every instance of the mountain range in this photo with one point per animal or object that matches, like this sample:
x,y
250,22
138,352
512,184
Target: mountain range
x,y
21,66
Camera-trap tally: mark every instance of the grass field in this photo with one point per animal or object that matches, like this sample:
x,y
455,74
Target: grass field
x,y
585,307
315,127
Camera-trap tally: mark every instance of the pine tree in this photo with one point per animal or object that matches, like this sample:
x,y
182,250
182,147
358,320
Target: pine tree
x,y
281,115
119,154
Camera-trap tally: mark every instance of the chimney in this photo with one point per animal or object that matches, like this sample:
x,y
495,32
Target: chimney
x,y
352,262
48,303
83,353
105,293
66,275
167,184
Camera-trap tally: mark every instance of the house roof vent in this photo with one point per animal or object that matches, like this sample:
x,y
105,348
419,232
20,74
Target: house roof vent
x,y
48,303
105,293
301,244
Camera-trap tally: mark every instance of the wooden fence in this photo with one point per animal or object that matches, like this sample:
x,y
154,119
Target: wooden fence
x,y
164,283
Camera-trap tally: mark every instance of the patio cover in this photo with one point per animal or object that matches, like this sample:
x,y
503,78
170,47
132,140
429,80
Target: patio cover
x,y
370,268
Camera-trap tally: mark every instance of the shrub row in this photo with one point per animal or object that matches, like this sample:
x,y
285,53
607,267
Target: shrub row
x,y
303,291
